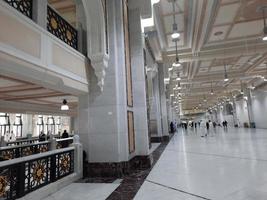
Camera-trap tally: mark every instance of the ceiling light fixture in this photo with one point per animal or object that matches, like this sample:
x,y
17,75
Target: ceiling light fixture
x,y
178,77
179,86
177,62
155,1
225,74
64,105
175,35
211,89
264,38
242,90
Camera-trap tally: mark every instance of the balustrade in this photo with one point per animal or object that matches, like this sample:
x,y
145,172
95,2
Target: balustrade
x,y
56,24
59,27
26,149
23,6
21,176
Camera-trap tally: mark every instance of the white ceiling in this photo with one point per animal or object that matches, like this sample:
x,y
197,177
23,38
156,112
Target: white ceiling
x,y
213,34
19,91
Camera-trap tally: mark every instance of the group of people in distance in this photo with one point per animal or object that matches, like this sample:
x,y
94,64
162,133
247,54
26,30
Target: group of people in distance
x,y
201,124
44,137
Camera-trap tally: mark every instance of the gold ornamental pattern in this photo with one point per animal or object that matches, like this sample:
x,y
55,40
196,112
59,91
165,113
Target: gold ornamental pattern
x,y
3,186
38,173
65,163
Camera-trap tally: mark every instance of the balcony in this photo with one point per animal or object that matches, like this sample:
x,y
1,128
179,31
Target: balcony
x,y
55,24
34,52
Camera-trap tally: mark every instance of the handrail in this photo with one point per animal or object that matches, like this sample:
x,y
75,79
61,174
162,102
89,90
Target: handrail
x,y
64,139
23,150
33,157
34,139
23,145
22,140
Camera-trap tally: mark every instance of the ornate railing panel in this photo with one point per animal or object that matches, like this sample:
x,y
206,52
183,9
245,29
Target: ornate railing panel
x,y
16,180
23,6
61,28
30,147
8,153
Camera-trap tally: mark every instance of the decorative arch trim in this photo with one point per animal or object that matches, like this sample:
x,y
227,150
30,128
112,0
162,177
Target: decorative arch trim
x,y
96,44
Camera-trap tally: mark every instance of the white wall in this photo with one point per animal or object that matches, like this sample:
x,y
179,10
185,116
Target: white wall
x,y
242,112
259,108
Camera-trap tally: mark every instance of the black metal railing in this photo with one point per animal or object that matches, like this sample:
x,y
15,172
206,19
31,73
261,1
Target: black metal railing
x,y
65,142
11,152
27,149
23,6
59,27
20,177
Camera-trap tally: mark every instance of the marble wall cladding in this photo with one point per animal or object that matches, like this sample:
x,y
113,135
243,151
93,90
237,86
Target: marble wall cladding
x,y
132,182
157,104
106,123
139,83
119,169
163,103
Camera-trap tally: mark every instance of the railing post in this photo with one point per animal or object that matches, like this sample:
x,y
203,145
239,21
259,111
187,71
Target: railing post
x,y
3,143
78,155
53,168
53,143
21,180
39,12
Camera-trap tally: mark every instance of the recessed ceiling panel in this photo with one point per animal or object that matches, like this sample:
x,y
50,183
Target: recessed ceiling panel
x,y
59,99
203,70
229,1
30,92
242,61
166,7
227,14
246,29
8,83
216,68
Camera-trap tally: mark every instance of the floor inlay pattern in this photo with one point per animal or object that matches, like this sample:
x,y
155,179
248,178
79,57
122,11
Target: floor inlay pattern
x,y
131,183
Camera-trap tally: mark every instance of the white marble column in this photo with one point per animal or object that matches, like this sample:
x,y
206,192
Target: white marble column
x,y
234,112
138,83
249,104
156,96
163,102
103,121
83,121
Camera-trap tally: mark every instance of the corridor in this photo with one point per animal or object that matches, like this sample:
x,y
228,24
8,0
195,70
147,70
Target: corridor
x,y
226,165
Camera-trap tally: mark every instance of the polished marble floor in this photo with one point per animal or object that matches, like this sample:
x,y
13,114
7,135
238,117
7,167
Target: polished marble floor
x,y
226,165
84,191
